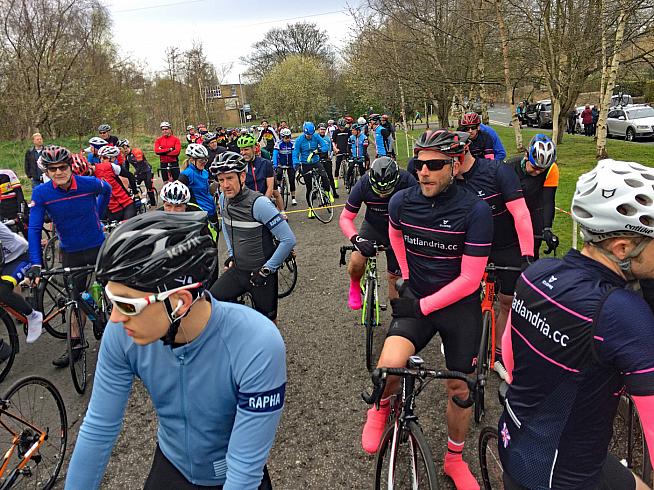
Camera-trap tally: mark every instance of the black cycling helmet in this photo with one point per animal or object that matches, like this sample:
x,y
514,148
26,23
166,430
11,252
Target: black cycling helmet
x,y
55,154
209,137
228,162
341,122
374,118
104,128
452,143
384,175
322,126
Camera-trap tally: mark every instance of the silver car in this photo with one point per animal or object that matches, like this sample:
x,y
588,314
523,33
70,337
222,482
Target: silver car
x,y
631,122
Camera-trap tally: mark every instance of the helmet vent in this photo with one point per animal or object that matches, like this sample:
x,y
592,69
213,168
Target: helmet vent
x,y
581,212
589,191
647,176
626,210
644,200
633,183
646,220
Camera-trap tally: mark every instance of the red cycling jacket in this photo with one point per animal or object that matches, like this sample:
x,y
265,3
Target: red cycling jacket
x,y
120,199
168,148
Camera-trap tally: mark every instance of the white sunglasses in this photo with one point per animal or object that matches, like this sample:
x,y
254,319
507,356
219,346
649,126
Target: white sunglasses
x,y
134,306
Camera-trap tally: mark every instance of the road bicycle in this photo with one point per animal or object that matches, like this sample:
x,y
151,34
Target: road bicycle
x,y
371,305
142,200
319,200
284,186
35,435
404,459
9,336
486,353
350,180
65,311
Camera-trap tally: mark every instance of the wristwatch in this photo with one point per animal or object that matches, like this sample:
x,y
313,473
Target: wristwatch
x,y
265,271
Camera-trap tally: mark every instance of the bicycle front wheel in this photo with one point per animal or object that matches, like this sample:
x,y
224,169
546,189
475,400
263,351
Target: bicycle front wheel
x,y
35,407
404,460
51,299
369,323
9,337
489,459
287,277
321,206
77,346
284,189
483,364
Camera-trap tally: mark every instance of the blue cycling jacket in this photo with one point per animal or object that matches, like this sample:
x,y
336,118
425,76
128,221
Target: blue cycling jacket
x,y
283,153
304,146
357,148
498,147
379,141
198,182
75,213
218,399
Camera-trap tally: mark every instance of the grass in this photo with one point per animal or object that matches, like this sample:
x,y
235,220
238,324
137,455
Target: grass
x,y
575,156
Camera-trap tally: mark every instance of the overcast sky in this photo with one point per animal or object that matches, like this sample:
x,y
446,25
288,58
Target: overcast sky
x,y
143,29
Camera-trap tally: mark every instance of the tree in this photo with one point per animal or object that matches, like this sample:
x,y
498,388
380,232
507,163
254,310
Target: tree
x,y
294,90
302,38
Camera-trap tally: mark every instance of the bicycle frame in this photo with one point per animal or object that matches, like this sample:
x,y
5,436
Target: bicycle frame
x,y
370,279
488,305
74,297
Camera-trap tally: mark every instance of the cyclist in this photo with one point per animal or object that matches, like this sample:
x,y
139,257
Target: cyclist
x,y
539,179
221,136
104,131
513,236
74,204
578,336
215,371
307,143
358,148
381,135
260,176
331,127
196,177
249,225
80,166
192,136
142,168
168,146
375,189
121,204
15,264
340,142
481,144
95,145
210,140
441,236
283,157
390,139
267,137
499,153
12,199
326,159
232,142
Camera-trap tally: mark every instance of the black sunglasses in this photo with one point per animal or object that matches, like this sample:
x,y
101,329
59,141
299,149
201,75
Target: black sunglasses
x,y
433,164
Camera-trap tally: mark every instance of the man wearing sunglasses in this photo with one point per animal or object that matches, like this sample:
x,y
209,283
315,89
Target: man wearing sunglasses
x,y
441,235
215,371
513,236
75,204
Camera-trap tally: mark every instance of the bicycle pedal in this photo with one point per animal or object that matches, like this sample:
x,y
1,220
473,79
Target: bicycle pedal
x,y
383,306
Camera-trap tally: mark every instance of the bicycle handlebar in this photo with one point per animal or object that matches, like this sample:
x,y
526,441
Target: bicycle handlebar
x,y
380,375
490,267
352,248
67,270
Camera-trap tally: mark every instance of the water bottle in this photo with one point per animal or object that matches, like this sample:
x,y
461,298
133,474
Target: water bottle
x,y
91,302
96,292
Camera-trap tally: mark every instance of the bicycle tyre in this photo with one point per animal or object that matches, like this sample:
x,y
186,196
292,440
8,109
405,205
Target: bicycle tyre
x,y
284,189
489,459
287,277
50,297
8,335
320,205
77,366
51,253
23,397
369,323
483,365
414,440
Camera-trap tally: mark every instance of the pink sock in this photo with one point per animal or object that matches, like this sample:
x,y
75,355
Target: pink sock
x,y
457,469
354,299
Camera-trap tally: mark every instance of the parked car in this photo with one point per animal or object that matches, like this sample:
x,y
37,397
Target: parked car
x,y
621,100
631,122
539,115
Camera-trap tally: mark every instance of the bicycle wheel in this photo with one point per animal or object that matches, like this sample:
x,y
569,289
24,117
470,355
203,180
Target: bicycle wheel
x,y
628,443
412,464
9,337
51,253
286,277
77,349
34,402
368,315
321,206
483,365
51,299
284,189
489,459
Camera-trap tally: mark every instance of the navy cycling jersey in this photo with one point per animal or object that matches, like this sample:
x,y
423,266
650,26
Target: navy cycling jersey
x,y
578,337
483,145
437,232
376,206
258,171
496,184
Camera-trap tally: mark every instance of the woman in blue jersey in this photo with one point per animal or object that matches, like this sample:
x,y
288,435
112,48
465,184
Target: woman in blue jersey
x,y
196,178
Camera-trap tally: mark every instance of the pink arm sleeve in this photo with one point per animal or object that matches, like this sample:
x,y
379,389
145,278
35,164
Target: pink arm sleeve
x,y
522,219
472,270
346,222
507,350
397,244
490,156
645,406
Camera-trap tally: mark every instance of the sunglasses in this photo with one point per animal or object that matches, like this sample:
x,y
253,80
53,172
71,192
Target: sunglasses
x,y
470,128
55,169
433,164
134,306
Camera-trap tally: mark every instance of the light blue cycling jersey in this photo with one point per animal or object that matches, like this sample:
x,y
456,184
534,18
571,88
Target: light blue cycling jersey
x,y
304,146
357,145
218,399
379,141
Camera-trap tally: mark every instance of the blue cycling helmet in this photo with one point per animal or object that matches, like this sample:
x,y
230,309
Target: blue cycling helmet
x,y
308,127
542,151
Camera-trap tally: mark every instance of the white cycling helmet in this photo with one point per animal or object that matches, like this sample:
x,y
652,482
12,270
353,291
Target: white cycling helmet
x,y
195,150
165,124
97,142
361,120
189,127
109,151
175,193
615,199
285,132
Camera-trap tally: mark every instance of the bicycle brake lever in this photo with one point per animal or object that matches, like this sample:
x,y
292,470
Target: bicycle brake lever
x,y
467,403
342,261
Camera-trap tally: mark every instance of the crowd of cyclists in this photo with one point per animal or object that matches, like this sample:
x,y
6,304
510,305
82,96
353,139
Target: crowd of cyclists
x,y
572,333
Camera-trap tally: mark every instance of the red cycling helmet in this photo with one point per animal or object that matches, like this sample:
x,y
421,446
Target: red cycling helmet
x,y
80,165
348,119
470,119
